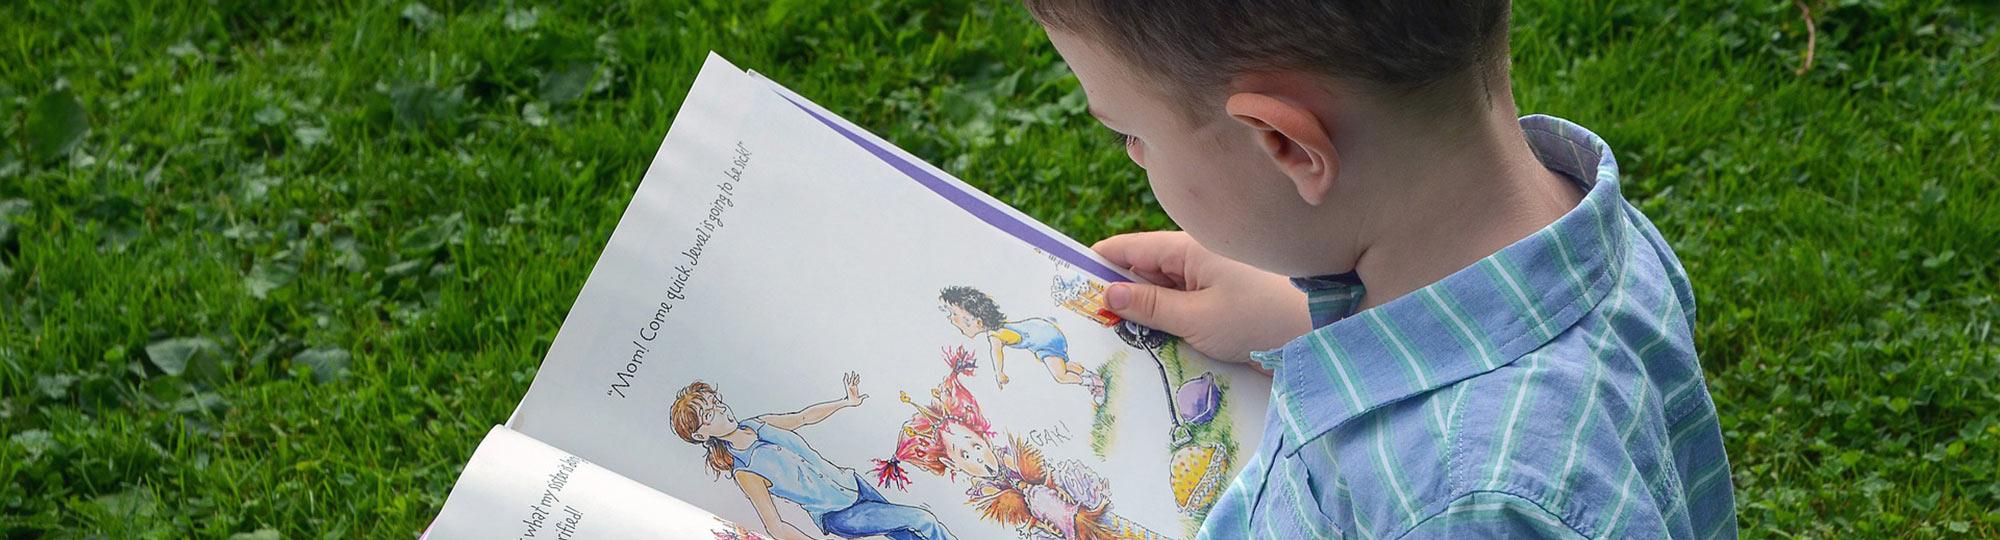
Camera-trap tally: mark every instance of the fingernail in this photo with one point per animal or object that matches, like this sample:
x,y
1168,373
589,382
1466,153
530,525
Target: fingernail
x,y
1117,296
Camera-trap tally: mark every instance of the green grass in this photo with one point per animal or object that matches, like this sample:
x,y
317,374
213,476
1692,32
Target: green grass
x,y
368,221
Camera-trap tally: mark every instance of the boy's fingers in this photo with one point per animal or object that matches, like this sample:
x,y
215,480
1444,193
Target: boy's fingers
x,y
1137,249
1159,256
1157,278
1162,308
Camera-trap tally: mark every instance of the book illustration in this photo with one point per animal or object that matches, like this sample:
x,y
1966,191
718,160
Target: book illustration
x,y
1012,484
730,531
1104,420
1084,296
1201,450
1198,400
975,314
1203,438
770,461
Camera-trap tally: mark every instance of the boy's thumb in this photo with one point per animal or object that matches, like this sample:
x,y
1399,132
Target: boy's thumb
x,y
1158,307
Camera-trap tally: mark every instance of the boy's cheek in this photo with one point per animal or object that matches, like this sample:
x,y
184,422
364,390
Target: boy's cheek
x,y
1193,190
1169,195
1233,218
1204,214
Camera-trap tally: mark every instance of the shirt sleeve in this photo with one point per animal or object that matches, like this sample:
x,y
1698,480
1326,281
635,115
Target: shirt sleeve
x,y
1007,337
1493,514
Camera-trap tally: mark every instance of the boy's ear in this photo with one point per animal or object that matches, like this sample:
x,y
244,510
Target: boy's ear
x,y
1294,138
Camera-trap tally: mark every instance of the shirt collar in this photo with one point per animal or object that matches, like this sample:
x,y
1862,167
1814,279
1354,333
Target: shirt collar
x,y
1476,320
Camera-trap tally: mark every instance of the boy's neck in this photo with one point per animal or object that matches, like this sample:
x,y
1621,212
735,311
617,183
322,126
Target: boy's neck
x,y
1460,198
741,439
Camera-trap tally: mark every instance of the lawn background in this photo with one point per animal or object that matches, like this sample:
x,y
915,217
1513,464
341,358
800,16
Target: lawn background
x,y
273,268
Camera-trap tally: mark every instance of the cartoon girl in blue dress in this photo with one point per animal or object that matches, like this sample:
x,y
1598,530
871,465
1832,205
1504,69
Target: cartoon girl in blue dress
x,y
975,314
770,462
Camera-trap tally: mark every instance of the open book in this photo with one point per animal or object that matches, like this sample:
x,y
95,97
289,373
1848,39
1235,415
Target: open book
x,y
799,330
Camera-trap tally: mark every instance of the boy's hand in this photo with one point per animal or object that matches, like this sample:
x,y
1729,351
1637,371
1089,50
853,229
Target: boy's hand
x,y
1223,308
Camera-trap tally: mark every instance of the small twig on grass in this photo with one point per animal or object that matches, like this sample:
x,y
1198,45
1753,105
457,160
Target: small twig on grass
x,y
1812,37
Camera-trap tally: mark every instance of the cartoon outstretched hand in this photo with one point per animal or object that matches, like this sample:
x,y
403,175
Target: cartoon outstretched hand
x,y
1000,378
854,395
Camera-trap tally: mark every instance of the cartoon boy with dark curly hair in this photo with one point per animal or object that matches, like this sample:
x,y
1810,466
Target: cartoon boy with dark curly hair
x,y
975,314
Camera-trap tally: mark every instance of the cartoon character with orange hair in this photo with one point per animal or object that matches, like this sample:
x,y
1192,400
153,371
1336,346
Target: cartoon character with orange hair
x,y
769,461
1012,484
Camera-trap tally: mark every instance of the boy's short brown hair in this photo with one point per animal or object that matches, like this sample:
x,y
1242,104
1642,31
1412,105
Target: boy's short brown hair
x,y
1392,47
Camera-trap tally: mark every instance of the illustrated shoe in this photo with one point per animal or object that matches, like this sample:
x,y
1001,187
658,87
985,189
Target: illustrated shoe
x,y
1096,385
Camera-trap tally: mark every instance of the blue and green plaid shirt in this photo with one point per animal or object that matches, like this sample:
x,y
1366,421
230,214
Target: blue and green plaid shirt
x,y
1548,390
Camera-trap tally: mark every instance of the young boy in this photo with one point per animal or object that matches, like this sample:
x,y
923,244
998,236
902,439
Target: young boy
x,y
1493,342
975,314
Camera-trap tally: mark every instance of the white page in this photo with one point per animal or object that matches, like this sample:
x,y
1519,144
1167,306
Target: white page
x,y
517,487
981,197
830,260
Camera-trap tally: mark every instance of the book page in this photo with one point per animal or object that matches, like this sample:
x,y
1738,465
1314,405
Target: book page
x,y
794,318
517,487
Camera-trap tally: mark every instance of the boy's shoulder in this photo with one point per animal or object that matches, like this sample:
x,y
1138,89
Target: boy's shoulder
x,y
1591,443
1555,381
